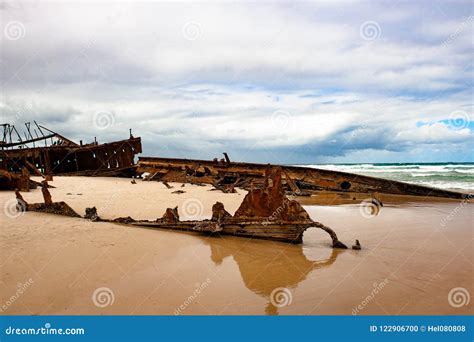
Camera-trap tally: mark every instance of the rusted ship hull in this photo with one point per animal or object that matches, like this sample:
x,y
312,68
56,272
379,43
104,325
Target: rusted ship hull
x,y
77,160
298,180
264,213
278,231
60,155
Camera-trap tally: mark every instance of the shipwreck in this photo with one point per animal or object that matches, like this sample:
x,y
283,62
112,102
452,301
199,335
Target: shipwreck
x,y
45,153
265,213
301,181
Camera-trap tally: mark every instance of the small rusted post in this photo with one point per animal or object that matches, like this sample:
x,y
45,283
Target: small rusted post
x,y
227,159
46,194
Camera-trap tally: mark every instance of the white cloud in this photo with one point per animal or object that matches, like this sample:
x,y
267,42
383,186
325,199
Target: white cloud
x,y
434,133
245,62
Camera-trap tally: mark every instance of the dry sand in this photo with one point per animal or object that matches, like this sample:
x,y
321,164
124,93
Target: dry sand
x,y
412,256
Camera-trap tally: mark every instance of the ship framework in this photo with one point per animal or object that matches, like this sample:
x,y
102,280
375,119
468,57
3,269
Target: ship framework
x,y
45,153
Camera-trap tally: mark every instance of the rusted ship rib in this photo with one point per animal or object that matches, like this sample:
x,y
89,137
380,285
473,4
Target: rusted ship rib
x,y
48,153
265,213
226,175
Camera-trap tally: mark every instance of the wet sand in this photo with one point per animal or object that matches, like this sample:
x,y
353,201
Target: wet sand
x,y
413,254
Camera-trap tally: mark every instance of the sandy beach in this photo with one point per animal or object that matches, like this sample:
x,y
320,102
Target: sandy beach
x,y
415,255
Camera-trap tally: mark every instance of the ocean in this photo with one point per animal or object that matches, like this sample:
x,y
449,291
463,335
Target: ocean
x,y
456,176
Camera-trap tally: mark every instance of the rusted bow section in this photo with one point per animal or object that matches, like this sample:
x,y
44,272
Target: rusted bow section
x,y
265,213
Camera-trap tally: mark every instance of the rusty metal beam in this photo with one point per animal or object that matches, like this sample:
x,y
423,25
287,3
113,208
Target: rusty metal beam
x,y
308,180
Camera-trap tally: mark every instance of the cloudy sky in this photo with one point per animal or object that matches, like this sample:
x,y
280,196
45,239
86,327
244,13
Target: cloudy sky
x,y
286,82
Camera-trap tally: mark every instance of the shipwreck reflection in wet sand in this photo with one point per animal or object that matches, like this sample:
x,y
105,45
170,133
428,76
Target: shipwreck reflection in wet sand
x,y
266,265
